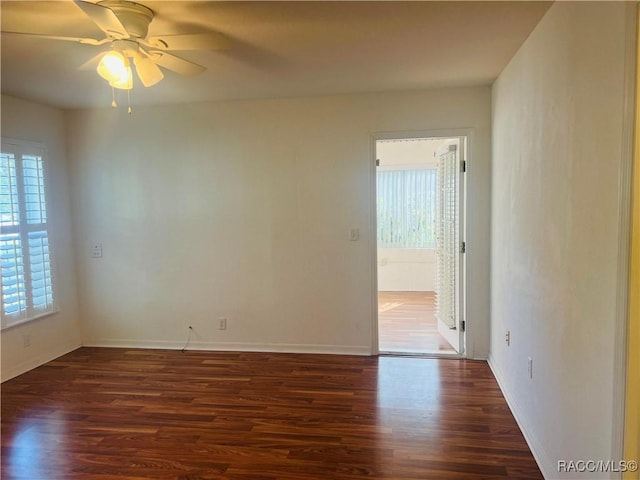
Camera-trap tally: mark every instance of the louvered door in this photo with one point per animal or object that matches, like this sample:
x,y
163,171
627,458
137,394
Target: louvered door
x,y
448,238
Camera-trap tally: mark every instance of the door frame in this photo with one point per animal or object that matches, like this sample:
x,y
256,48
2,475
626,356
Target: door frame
x,y
373,240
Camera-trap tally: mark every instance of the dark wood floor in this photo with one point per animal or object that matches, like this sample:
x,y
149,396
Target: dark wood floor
x,y
141,414
407,323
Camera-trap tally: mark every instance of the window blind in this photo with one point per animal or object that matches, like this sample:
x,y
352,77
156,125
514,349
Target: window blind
x,y
406,206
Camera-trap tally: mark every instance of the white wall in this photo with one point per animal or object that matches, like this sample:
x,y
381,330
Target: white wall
x,y
557,149
407,269
59,333
243,210
400,154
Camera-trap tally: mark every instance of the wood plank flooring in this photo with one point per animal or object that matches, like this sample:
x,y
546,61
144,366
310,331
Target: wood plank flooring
x,y
161,414
407,323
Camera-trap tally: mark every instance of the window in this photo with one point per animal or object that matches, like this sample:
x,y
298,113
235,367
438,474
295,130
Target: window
x,y
26,288
407,208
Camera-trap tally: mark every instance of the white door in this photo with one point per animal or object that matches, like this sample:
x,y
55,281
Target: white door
x,y
450,245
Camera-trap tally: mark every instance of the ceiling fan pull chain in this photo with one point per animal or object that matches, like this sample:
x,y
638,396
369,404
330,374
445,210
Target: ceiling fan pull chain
x,y
129,111
113,96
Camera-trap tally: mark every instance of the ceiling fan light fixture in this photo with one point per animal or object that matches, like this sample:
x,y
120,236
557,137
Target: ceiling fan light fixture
x,y
148,72
125,25
112,66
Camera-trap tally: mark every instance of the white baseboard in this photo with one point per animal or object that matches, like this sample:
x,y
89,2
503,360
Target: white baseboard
x,y
545,463
36,361
231,346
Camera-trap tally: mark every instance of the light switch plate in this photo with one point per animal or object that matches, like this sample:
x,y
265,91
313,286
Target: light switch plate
x,y
96,250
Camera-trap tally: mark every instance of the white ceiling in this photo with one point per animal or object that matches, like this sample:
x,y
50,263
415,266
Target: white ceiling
x,y
279,49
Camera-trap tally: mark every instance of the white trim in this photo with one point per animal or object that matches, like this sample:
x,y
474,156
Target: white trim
x,y
537,449
373,244
231,346
624,237
37,361
422,134
30,319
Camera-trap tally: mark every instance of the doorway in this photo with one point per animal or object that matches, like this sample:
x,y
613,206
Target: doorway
x,y
420,247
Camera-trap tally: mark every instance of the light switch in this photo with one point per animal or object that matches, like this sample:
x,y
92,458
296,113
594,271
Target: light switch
x,y
96,250
354,234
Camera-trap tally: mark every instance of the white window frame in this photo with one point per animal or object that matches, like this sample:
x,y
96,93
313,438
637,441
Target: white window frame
x,y
20,148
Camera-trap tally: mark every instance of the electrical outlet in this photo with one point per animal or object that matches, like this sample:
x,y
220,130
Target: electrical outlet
x,y
222,324
26,340
507,338
530,367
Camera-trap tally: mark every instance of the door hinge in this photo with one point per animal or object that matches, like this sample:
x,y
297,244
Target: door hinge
x,y
463,166
377,162
463,247
463,325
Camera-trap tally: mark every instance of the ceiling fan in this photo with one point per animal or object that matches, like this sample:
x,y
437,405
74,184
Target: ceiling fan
x,y
126,27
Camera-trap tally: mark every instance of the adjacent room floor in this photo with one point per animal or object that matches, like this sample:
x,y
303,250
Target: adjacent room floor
x,y
407,323
162,414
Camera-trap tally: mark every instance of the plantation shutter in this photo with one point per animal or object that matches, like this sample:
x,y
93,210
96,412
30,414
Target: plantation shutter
x,y
447,247
26,286
14,295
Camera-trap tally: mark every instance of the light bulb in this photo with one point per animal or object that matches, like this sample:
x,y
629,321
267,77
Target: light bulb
x,y
125,81
112,66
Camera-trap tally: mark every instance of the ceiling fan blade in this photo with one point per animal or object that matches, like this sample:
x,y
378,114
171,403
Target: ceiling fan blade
x,y
176,64
93,62
148,72
191,41
104,18
86,41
